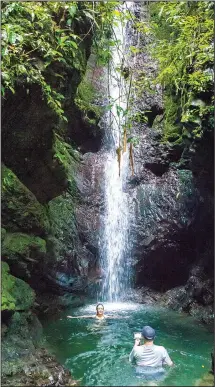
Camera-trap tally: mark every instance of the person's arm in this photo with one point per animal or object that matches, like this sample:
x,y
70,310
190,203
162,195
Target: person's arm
x,y
166,358
132,354
80,316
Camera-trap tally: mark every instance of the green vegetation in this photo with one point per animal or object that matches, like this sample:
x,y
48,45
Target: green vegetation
x,y
16,294
16,245
63,235
183,34
68,158
85,100
48,44
61,209
33,38
40,39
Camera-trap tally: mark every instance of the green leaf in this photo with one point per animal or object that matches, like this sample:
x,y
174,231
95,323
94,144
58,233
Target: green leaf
x,y
133,140
4,51
119,109
161,11
62,39
12,37
12,89
22,69
109,107
74,44
90,16
69,22
5,76
72,10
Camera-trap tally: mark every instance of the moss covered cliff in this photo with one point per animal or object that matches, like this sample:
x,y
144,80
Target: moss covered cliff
x,y
45,49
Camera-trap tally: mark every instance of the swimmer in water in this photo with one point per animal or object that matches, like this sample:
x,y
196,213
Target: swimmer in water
x,y
99,314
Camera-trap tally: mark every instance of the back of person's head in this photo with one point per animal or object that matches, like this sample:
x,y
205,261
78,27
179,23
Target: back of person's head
x,y
148,333
99,305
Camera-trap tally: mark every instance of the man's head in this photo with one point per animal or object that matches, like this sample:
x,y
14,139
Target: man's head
x,y
148,333
99,309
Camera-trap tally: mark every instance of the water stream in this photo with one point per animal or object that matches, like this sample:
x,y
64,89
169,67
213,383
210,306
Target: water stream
x,y
114,236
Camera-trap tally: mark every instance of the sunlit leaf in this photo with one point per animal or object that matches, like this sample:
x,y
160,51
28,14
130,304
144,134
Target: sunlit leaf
x,y
72,10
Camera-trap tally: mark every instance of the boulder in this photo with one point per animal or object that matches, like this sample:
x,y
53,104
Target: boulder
x,y
23,252
16,294
20,209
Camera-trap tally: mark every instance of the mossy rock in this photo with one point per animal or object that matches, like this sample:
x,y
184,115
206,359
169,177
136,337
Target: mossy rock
x,y
63,226
16,294
3,234
16,245
20,208
85,101
69,159
207,380
65,154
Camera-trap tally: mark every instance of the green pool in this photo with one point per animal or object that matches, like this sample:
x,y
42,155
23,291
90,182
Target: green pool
x,y
97,352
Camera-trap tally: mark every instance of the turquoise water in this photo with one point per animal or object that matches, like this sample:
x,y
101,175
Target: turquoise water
x,y
97,352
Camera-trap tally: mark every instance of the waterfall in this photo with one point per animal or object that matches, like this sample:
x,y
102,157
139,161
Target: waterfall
x,y
114,236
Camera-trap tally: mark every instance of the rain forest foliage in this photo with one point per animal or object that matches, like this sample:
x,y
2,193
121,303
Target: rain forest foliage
x,y
38,35
41,39
183,33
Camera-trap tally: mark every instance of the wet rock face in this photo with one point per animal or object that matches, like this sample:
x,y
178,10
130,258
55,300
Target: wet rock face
x,y
87,137
88,212
72,245
197,295
28,123
171,204
27,135
164,209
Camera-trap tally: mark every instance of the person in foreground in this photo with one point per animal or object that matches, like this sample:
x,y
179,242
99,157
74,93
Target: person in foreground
x,y
99,314
149,358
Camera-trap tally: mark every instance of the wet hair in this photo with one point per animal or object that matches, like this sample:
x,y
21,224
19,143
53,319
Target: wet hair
x,y
99,304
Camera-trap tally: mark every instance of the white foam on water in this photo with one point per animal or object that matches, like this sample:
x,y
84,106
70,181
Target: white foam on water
x,y
112,307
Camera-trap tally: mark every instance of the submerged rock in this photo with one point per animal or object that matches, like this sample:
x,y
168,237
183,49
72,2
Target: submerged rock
x,y
206,380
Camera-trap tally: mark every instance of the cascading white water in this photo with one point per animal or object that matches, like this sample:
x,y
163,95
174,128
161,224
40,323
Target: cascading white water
x,y
114,241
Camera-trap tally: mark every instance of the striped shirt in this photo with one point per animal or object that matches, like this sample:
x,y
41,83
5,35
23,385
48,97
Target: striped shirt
x,y
150,355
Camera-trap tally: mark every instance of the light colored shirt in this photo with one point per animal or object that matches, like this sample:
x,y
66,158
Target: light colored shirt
x,y
150,355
